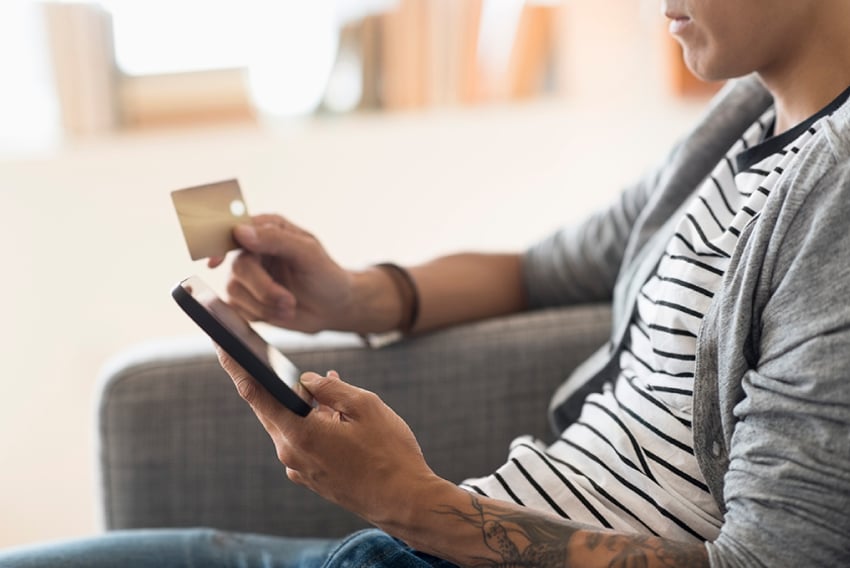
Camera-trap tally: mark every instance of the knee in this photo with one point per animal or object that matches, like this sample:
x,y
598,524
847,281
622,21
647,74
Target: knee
x,y
370,548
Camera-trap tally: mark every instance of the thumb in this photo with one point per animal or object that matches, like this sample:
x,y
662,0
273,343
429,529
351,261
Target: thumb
x,y
268,238
247,236
333,392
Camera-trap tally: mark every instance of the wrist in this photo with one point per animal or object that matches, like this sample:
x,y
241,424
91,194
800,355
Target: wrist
x,y
407,294
413,518
384,299
375,305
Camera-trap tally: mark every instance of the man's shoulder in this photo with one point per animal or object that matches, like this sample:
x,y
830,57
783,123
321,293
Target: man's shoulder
x,y
824,169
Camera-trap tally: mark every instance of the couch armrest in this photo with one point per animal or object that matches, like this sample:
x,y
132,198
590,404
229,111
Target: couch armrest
x,y
178,447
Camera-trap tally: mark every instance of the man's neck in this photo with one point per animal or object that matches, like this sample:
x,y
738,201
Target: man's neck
x,y
806,83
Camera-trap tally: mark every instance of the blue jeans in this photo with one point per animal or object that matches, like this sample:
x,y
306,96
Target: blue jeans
x,y
206,548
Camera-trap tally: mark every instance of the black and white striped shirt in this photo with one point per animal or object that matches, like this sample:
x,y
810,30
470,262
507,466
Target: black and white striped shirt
x,y
628,463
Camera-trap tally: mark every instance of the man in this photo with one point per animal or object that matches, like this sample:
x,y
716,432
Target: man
x,y
714,429
741,282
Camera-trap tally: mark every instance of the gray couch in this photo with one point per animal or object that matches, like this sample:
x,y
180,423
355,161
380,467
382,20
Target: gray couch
x,y
178,447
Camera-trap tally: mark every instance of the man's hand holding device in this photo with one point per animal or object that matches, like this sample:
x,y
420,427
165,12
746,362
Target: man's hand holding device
x,y
235,336
208,216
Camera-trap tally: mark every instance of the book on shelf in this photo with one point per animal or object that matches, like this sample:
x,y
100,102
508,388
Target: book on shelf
x,y
82,53
430,52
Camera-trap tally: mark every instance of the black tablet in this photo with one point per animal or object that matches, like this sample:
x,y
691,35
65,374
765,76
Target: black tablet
x,y
235,336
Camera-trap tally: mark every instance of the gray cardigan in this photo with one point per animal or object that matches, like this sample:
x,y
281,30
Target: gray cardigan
x,y
772,386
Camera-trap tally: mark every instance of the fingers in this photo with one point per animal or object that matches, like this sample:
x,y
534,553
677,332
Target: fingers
x,y
255,292
338,395
273,235
273,249
277,220
244,234
215,261
266,234
280,423
245,304
268,410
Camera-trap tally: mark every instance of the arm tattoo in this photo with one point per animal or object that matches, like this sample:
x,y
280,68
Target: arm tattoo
x,y
627,551
520,540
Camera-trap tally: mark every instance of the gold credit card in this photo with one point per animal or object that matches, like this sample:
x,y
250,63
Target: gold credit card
x,y
208,214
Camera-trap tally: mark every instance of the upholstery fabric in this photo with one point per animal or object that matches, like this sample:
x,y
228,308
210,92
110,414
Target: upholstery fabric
x,y
178,447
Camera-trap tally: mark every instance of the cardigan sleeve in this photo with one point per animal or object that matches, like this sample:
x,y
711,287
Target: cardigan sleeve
x,y
579,263
787,488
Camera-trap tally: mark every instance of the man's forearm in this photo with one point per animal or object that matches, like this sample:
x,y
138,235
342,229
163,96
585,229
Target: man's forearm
x,y
466,287
452,289
471,530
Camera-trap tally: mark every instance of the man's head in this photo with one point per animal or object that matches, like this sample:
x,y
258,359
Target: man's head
x,y
722,39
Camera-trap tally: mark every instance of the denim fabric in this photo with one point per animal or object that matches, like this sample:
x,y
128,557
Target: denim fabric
x,y
172,548
372,548
207,548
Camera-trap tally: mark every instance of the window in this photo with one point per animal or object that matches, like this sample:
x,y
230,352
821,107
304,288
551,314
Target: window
x,y
156,37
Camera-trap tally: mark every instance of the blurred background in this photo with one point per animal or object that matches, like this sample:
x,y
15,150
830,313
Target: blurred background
x,y
391,129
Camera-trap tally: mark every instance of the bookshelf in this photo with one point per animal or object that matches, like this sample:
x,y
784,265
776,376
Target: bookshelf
x,y
419,54
431,54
